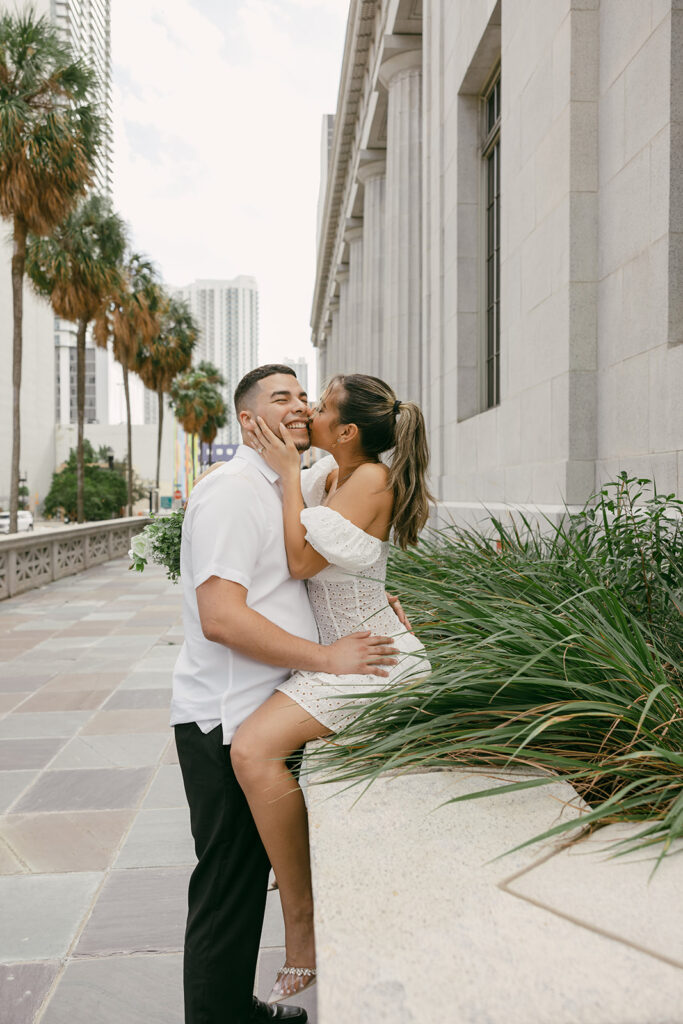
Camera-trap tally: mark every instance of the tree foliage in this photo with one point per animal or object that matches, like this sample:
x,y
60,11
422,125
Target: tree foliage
x,y
50,132
105,489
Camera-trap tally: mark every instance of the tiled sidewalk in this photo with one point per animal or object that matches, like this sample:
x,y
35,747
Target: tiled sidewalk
x,y
95,846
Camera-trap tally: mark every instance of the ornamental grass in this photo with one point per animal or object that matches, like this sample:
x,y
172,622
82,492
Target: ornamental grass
x,y
555,648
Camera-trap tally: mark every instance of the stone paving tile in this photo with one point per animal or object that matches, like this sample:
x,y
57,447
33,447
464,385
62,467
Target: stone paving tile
x,y
9,701
127,721
112,751
64,700
95,629
138,911
160,837
38,724
108,616
33,753
23,988
273,933
42,914
147,680
12,785
132,699
15,679
92,789
119,990
9,862
167,789
85,681
73,644
78,841
170,754
269,961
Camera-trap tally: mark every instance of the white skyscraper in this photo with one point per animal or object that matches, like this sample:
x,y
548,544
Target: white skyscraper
x,y
300,366
228,316
85,25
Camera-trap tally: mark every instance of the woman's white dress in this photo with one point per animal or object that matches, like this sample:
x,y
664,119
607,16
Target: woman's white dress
x,y
346,596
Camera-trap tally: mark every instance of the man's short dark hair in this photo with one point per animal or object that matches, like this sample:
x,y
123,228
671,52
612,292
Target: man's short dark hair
x,y
249,381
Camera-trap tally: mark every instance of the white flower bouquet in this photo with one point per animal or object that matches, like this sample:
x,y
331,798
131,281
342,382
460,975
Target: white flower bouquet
x,y
159,543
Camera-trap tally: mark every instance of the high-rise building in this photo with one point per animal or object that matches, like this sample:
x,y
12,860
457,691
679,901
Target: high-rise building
x,y
300,367
228,316
85,26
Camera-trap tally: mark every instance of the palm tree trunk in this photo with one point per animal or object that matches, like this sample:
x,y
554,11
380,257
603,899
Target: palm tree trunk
x,y
18,263
160,396
80,417
194,458
129,474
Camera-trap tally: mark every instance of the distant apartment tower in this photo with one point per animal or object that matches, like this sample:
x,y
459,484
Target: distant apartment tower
x,y
300,367
228,316
85,25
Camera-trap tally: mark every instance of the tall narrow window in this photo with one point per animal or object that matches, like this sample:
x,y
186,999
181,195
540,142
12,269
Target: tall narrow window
x,y
491,158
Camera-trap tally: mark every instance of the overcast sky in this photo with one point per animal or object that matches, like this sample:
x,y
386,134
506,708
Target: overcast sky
x,y
217,119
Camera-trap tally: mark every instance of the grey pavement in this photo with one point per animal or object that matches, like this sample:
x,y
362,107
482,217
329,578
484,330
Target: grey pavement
x,y
95,845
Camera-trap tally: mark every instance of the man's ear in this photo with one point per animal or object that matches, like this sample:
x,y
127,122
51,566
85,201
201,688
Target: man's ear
x,y
246,418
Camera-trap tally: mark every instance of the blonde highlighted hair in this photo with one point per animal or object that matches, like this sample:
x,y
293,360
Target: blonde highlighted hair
x,y
385,424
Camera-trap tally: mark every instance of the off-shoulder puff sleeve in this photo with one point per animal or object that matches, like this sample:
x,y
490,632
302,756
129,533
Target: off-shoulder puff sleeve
x,y
313,480
338,540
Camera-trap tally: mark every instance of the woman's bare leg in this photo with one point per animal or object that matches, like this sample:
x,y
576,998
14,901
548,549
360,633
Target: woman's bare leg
x,y
259,751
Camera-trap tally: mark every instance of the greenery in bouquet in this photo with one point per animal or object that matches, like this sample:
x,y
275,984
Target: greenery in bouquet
x,y
159,543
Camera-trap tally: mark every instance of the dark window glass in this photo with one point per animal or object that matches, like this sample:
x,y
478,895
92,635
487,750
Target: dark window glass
x,y
491,155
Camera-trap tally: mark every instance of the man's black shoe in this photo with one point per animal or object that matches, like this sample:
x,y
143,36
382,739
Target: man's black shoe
x,y
264,1013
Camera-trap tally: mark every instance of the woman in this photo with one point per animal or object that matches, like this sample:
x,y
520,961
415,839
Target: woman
x,y
340,544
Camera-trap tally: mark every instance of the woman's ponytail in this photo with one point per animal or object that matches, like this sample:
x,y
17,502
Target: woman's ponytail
x,y
408,475
386,423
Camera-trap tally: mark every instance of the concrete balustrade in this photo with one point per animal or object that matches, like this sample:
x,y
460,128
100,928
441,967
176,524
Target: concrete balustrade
x,y
29,560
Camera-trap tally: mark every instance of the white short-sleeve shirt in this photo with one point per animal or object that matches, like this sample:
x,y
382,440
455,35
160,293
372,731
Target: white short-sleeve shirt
x,y
233,529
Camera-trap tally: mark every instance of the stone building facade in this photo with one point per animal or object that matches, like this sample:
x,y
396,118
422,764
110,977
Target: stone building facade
x,y
502,237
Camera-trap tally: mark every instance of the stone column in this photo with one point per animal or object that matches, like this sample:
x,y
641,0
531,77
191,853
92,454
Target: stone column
x,y
322,356
342,329
401,75
373,177
332,357
353,357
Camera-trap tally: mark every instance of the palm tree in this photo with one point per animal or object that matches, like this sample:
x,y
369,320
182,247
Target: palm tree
x,y
197,400
49,138
161,358
215,419
130,320
79,268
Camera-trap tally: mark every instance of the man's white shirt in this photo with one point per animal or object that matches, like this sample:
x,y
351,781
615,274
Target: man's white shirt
x,y
233,529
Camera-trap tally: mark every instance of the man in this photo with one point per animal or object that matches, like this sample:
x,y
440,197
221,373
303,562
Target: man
x,y
247,623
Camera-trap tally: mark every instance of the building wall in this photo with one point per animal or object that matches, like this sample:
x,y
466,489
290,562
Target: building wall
x,y
37,392
640,355
591,249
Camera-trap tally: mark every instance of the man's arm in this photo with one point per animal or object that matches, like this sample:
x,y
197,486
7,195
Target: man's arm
x,y
226,619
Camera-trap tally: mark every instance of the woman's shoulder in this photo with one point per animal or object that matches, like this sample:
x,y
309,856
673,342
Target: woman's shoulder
x,y
370,472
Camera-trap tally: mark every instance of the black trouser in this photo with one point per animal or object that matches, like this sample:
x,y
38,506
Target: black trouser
x,y
227,894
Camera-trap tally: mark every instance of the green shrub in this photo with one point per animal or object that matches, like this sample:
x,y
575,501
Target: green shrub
x,y
104,492
557,649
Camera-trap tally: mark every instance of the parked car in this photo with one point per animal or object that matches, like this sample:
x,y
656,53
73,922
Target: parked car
x,y
24,521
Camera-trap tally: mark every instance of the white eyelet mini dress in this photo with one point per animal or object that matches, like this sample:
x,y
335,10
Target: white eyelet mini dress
x,y
347,596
